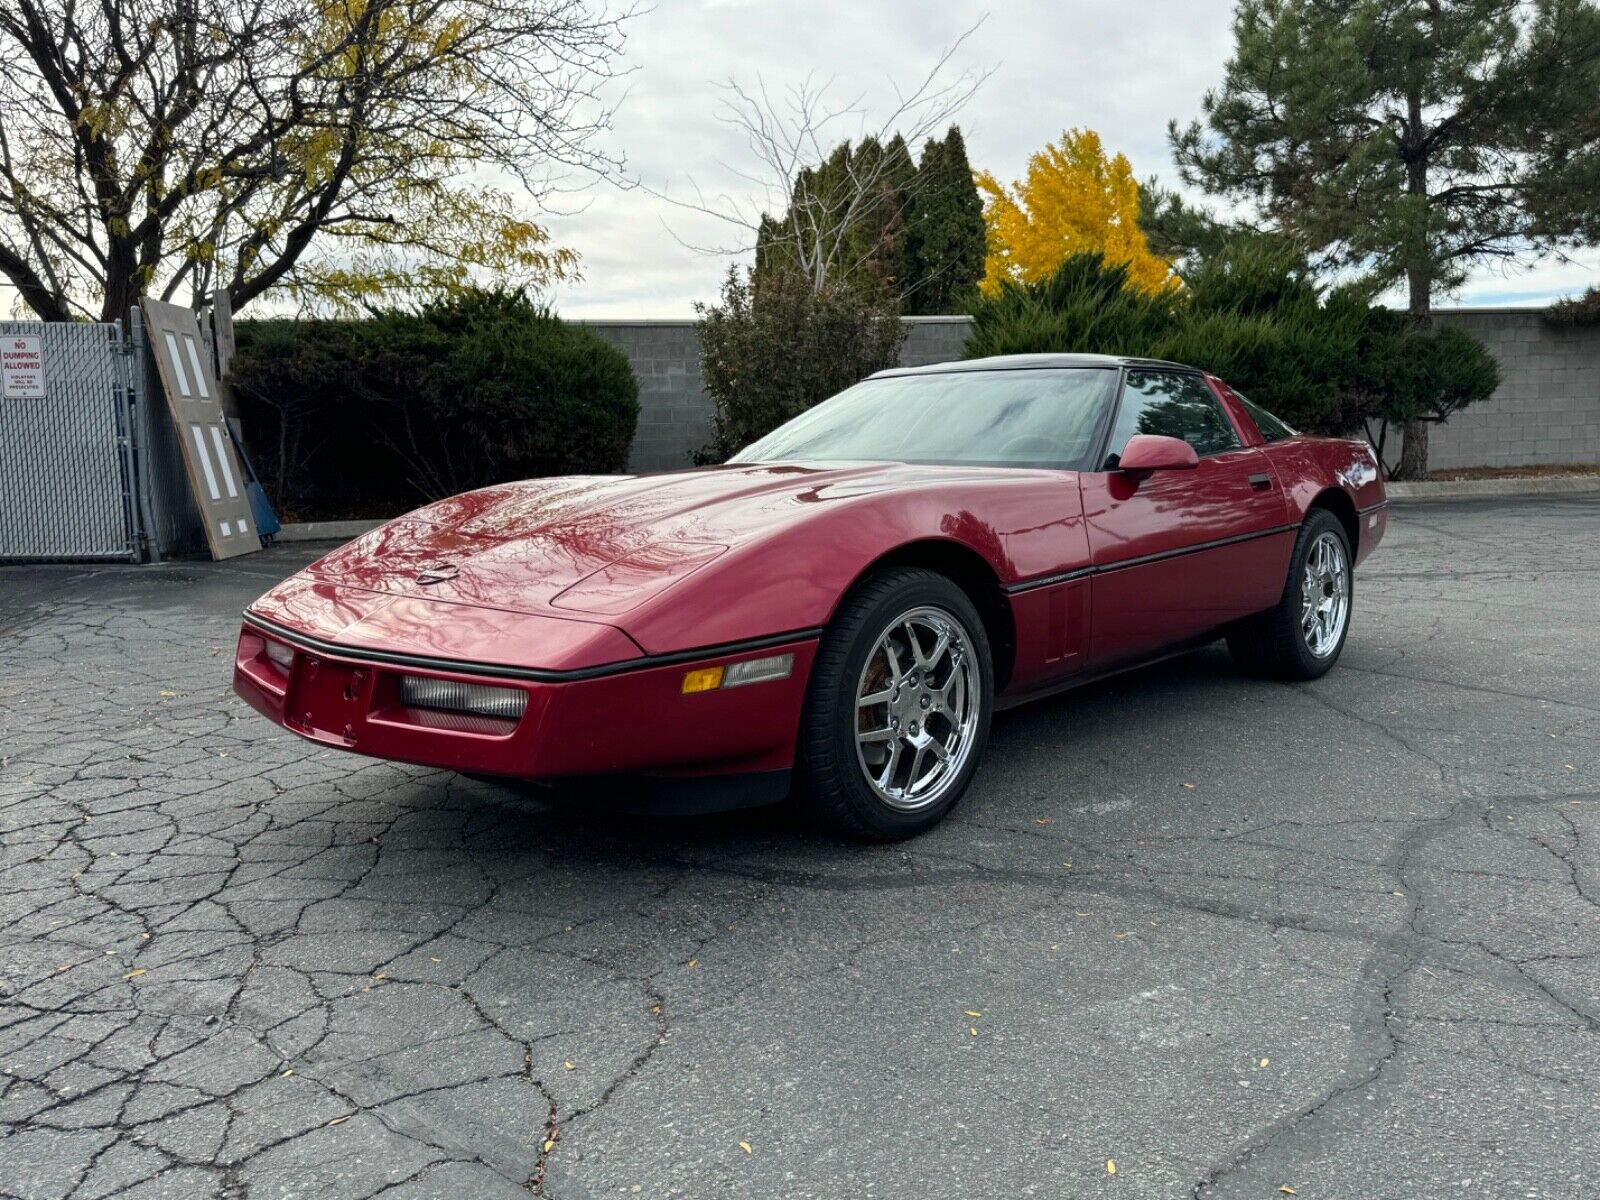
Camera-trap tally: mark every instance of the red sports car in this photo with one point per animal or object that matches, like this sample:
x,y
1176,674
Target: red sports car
x,y
838,611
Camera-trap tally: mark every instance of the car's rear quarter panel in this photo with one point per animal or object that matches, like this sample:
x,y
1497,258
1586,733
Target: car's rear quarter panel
x,y
1308,467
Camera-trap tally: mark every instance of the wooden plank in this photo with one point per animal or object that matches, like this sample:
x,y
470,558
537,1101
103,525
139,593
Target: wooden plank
x,y
216,476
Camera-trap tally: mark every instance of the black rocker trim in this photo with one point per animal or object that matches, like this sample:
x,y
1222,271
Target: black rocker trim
x,y
538,674
1122,564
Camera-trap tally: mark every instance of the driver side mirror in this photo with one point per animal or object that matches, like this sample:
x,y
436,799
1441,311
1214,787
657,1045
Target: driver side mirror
x,y
1154,452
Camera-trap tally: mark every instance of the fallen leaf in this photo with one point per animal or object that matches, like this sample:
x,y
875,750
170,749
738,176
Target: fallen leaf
x,y
972,1013
1111,1166
694,962
287,1073
549,1145
655,1010
973,1032
1190,786
569,1066
168,694
745,1146
1288,1191
1044,820
433,960
135,973
339,1120
1265,1061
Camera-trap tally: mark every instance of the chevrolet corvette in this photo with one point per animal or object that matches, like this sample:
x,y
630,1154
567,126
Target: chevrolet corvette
x,y
835,614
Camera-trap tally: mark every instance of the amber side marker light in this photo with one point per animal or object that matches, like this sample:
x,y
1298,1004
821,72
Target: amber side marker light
x,y
752,670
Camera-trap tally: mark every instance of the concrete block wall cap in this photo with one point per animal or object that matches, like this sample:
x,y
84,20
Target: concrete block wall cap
x,y
1467,489
325,531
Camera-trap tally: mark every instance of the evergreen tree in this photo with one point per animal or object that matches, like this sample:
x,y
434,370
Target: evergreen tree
x,y
945,231
915,234
1411,139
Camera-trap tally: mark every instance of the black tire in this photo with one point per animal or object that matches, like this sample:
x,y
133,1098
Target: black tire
x,y
832,782
1274,643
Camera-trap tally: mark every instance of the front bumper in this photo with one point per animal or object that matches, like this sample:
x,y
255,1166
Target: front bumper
x,y
629,719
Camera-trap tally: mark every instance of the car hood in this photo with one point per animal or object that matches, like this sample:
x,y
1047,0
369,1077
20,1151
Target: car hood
x,y
598,545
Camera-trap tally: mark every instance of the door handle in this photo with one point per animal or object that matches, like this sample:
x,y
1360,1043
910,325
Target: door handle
x,y
1260,482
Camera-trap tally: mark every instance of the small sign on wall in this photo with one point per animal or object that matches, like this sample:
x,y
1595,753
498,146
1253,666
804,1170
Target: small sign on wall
x,y
21,367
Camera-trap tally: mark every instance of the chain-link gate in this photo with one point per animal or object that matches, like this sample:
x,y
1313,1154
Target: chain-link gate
x,y
67,478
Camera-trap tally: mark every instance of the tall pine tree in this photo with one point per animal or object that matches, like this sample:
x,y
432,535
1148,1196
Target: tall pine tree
x,y
1409,139
944,231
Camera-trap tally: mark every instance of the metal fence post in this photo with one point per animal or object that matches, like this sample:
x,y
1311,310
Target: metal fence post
x,y
133,364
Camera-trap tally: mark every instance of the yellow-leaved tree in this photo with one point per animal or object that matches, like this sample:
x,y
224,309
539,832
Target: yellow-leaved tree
x,y
1072,199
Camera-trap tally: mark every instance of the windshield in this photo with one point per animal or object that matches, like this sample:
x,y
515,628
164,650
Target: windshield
x,y
1032,418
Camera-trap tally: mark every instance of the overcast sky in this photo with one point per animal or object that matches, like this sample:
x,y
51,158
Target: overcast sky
x,y
1121,67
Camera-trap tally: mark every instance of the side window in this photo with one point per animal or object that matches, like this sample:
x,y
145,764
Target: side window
x,y
1172,404
1272,429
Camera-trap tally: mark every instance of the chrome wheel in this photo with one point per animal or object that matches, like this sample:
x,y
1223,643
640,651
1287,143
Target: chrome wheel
x,y
917,708
1325,595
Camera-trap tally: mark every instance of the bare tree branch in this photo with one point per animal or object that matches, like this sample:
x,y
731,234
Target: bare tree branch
x,y
791,137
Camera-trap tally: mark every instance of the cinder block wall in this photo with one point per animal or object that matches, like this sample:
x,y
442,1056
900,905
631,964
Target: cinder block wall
x,y
1547,408
1546,411
674,410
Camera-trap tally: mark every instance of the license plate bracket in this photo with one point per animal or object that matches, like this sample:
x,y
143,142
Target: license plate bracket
x,y
327,701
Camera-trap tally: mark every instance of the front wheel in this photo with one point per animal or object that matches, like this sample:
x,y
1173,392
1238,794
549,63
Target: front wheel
x,y
897,713
1302,637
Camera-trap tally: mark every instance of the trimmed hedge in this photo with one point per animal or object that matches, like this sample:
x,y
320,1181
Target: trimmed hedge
x,y
372,417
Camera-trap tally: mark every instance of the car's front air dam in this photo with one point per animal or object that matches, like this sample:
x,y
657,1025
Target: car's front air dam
x,y
623,718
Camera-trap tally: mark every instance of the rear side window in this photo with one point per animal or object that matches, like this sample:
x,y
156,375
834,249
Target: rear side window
x,y
1171,404
1272,429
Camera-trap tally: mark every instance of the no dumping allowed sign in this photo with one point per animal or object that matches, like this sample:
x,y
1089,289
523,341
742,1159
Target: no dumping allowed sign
x,y
21,367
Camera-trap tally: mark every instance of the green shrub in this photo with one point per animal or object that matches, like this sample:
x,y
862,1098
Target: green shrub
x,y
368,417
774,347
1252,314
1575,311
1084,307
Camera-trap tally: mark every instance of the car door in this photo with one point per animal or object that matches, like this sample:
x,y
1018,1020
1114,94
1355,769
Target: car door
x,y
1177,554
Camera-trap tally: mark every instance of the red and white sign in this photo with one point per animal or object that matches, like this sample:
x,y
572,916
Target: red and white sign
x,y
21,367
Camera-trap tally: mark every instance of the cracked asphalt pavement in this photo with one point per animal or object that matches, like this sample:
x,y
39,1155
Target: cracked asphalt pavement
x,y
1234,937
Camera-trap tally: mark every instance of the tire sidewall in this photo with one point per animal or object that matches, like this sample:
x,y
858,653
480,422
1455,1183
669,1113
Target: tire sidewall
x,y
862,620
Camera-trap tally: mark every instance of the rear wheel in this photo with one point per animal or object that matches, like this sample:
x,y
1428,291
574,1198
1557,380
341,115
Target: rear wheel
x,y
1303,635
897,713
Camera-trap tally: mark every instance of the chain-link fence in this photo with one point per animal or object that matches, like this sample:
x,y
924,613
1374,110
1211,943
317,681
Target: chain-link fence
x,y
66,457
